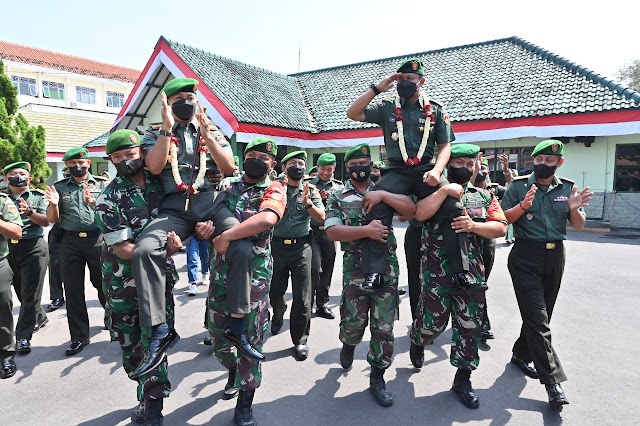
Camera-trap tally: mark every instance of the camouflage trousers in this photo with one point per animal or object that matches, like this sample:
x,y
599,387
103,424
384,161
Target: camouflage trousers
x,y
249,372
467,311
122,317
381,308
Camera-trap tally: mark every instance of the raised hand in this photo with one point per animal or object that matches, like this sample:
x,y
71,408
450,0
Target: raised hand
x,y
86,194
579,199
167,115
305,195
51,196
527,202
23,207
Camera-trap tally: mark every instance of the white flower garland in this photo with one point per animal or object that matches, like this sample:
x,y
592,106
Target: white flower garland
x,y
428,113
173,151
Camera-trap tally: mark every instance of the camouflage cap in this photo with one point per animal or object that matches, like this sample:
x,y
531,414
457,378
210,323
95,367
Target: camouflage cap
x,y
180,85
412,65
75,153
464,150
326,159
17,165
314,169
262,144
295,154
358,151
122,139
548,147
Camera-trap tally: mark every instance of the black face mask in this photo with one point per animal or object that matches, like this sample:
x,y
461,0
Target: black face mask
x,y
481,177
184,109
374,178
459,175
543,171
18,181
128,168
78,171
359,173
295,172
255,168
406,88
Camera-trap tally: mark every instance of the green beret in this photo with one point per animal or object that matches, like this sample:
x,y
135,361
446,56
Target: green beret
x,y
358,151
412,65
122,139
295,154
263,144
548,147
314,169
180,85
17,165
464,150
378,165
236,160
485,162
74,153
326,159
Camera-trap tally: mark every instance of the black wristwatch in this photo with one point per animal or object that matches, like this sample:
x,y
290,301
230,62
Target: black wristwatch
x,y
29,212
162,132
375,89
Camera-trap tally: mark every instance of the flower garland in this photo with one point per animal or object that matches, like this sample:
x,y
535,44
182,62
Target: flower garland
x,y
173,151
427,109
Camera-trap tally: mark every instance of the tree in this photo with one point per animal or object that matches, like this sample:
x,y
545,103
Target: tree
x,y
18,140
630,74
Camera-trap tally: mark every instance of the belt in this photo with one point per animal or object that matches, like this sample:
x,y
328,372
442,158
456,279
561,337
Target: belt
x,y
83,234
292,241
549,245
15,241
319,227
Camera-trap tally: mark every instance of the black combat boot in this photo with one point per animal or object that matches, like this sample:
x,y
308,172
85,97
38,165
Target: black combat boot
x,y
230,389
138,414
556,395
153,412
346,356
462,387
378,387
244,413
416,354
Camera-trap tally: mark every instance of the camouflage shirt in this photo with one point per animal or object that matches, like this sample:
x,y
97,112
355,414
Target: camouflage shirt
x,y
123,210
8,213
345,208
246,200
482,206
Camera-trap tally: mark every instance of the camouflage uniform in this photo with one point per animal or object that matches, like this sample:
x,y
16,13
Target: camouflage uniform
x,y
381,306
123,210
439,299
245,201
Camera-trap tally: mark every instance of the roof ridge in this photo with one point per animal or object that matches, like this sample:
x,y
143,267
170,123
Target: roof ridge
x,y
596,78
67,55
171,42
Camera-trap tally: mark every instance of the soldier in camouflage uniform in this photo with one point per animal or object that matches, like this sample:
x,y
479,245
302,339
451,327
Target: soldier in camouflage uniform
x,y
440,298
123,210
345,222
258,204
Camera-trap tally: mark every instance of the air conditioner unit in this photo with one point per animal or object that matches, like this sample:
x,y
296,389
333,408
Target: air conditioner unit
x,y
74,105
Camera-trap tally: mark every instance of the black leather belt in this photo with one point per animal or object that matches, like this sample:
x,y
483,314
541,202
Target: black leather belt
x,y
83,234
547,245
292,241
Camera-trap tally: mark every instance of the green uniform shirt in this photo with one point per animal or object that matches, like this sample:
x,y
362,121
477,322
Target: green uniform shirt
x,y
382,114
296,220
35,199
8,213
329,186
75,214
186,149
546,220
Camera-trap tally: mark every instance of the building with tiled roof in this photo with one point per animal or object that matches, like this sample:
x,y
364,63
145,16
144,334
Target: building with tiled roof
x,y
75,99
505,95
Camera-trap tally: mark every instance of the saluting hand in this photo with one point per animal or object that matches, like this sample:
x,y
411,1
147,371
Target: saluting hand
x,y
51,196
579,199
527,202
23,207
167,115
86,194
387,83
377,231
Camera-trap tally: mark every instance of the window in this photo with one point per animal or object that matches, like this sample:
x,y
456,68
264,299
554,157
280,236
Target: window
x,y
519,159
86,95
25,86
115,99
627,168
53,90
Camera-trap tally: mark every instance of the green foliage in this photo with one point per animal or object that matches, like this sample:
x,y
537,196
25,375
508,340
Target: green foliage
x,y
18,140
630,74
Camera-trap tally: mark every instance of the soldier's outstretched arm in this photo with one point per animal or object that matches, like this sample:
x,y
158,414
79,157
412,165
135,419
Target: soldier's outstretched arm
x,y
429,206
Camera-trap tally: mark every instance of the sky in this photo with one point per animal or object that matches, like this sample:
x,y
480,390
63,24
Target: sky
x,y
291,36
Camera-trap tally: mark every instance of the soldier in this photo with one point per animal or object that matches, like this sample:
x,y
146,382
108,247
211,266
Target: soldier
x,y
177,154
412,125
376,172
313,172
71,202
291,247
10,227
28,256
258,204
323,250
346,223
539,206
123,209
440,298
56,294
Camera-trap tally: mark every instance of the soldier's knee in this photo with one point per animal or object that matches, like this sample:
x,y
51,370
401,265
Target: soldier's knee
x,y
240,249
